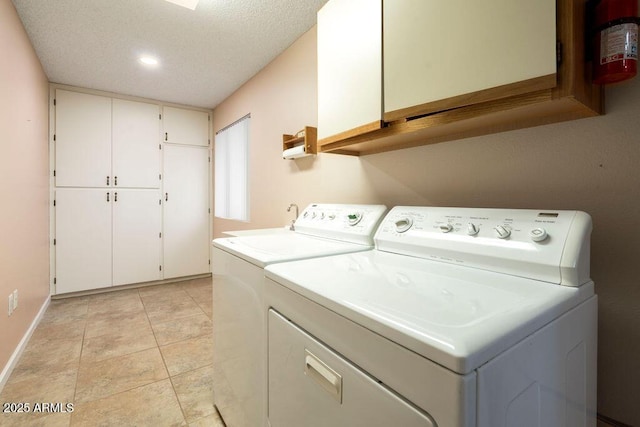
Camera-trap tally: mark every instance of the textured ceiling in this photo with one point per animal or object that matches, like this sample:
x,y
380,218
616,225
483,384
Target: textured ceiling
x,y
204,55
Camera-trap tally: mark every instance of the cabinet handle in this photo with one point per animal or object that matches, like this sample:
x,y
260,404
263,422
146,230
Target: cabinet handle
x,y
115,196
166,136
115,180
107,180
107,196
166,197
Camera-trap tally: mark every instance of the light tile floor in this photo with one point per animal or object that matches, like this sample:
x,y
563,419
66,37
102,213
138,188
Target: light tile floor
x,y
135,357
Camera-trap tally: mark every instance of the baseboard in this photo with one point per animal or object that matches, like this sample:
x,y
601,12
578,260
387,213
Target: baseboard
x,y
15,357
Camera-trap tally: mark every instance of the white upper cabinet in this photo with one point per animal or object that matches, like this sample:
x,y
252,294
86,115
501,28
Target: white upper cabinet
x,y
136,144
349,68
448,52
105,142
395,74
187,127
82,139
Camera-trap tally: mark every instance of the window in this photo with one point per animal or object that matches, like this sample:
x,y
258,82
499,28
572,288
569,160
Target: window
x,y
232,170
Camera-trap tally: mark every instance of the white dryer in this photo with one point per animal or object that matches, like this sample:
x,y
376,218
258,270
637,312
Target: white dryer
x,y
239,316
460,317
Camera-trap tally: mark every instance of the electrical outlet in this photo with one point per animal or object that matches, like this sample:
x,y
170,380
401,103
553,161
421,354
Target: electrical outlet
x,y
15,299
10,303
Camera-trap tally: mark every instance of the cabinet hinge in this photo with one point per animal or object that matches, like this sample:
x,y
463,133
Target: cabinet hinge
x,y
209,262
54,137
558,53
54,101
209,117
160,202
159,146
209,210
54,242
160,177
55,280
209,159
209,142
160,235
54,202
160,268
159,116
54,172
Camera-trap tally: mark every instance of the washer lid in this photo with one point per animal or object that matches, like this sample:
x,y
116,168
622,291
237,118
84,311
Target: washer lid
x,y
262,250
459,317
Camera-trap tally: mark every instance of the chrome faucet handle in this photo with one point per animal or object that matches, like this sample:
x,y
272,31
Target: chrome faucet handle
x,y
293,205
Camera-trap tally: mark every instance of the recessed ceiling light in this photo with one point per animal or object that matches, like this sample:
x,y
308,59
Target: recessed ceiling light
x,y
148,60
189,4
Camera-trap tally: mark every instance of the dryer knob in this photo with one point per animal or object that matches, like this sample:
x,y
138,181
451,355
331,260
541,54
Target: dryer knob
x,y
502,232
538,234
445,228
472,229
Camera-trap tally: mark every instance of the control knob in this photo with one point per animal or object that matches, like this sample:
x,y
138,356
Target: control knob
x,y
403,224
502,231
445,228
472,229
354,218
538,234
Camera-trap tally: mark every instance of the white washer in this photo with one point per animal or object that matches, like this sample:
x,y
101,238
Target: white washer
x,y
239,316
459,317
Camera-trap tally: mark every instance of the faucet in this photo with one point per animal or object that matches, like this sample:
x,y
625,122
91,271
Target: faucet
x,y
292,226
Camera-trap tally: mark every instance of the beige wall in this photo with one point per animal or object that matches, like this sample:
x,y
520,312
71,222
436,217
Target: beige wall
x,y
24,182
590,164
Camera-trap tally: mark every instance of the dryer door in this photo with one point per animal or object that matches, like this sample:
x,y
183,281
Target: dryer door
x,y
311,386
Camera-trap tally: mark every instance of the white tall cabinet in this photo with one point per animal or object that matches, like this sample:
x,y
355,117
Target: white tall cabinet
x,y
186,210
111,215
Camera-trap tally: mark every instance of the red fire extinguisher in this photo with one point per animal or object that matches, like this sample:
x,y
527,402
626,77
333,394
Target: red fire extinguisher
x,y
616,41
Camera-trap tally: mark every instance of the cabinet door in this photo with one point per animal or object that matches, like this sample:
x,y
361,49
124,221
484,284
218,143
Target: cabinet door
x,y
187,127
457,52
186,210
136,236
349,68
136,142
83,239
83,139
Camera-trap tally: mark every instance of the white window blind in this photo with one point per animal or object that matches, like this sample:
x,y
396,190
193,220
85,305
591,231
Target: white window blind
x,y
232,170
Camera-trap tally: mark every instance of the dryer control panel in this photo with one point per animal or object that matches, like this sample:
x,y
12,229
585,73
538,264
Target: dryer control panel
x,y
349,223
552,246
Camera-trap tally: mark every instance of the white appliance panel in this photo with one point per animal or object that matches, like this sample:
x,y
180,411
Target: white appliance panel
x,y
329,391
457,316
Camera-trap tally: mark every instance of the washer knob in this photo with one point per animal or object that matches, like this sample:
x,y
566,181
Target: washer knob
x,y
354,218
472,229
403,224
538,234
502,232
445,228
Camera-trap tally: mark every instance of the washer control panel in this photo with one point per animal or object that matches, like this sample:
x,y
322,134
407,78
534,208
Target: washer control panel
x,y
523,242
351,223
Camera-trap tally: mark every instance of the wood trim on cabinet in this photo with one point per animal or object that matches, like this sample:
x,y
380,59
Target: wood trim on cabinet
x,y
360,130
491,94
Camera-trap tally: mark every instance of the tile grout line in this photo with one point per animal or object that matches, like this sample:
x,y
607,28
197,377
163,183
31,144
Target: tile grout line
x,y
75,388
164,362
